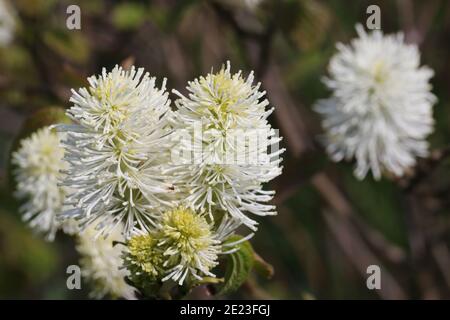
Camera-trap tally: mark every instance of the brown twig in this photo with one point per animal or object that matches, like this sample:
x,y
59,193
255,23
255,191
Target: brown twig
x,y
441,255
361,256
424,169
263,39
254,290
287,113
416,30
338,202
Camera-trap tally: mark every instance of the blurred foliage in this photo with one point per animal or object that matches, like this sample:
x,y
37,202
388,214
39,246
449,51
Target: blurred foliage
x,y
30,263
128,16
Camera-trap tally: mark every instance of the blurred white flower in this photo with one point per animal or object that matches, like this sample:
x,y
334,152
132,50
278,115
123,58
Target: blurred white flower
x,y
230,160
380,111
39,161
7,22
68,226
115,150
102,265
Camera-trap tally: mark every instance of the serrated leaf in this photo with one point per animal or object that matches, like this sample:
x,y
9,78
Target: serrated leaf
x,y
238,268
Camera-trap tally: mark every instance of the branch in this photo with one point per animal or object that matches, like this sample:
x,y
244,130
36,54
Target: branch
x,y
263,39
360,255
338,202
424,169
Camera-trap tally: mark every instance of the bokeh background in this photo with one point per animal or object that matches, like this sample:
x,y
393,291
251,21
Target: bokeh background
x,y
330,226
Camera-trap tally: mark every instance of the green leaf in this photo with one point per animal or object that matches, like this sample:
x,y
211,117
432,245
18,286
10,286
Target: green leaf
x,y
69,45
26,260
129,16
238,268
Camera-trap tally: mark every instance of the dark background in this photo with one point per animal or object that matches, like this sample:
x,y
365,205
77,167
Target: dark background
x,y
330,226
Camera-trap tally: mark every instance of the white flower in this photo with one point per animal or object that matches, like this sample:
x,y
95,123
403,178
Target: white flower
x,y
191,246
184,247
380,111
102,265
230,158
7,22
115,150
38,162
69,226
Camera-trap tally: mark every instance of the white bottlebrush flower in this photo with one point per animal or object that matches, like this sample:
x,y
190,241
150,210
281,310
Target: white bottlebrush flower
x,y
115,150
380,111
102,265
183,247
227,117
39,161
191,246
7,23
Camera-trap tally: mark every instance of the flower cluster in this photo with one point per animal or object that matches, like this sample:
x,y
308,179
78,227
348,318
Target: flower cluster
x,y
124,175
115,149
232,114
183,246
155,194
380,111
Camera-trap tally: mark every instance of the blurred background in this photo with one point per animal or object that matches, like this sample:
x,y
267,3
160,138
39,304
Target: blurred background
x,y
330,226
